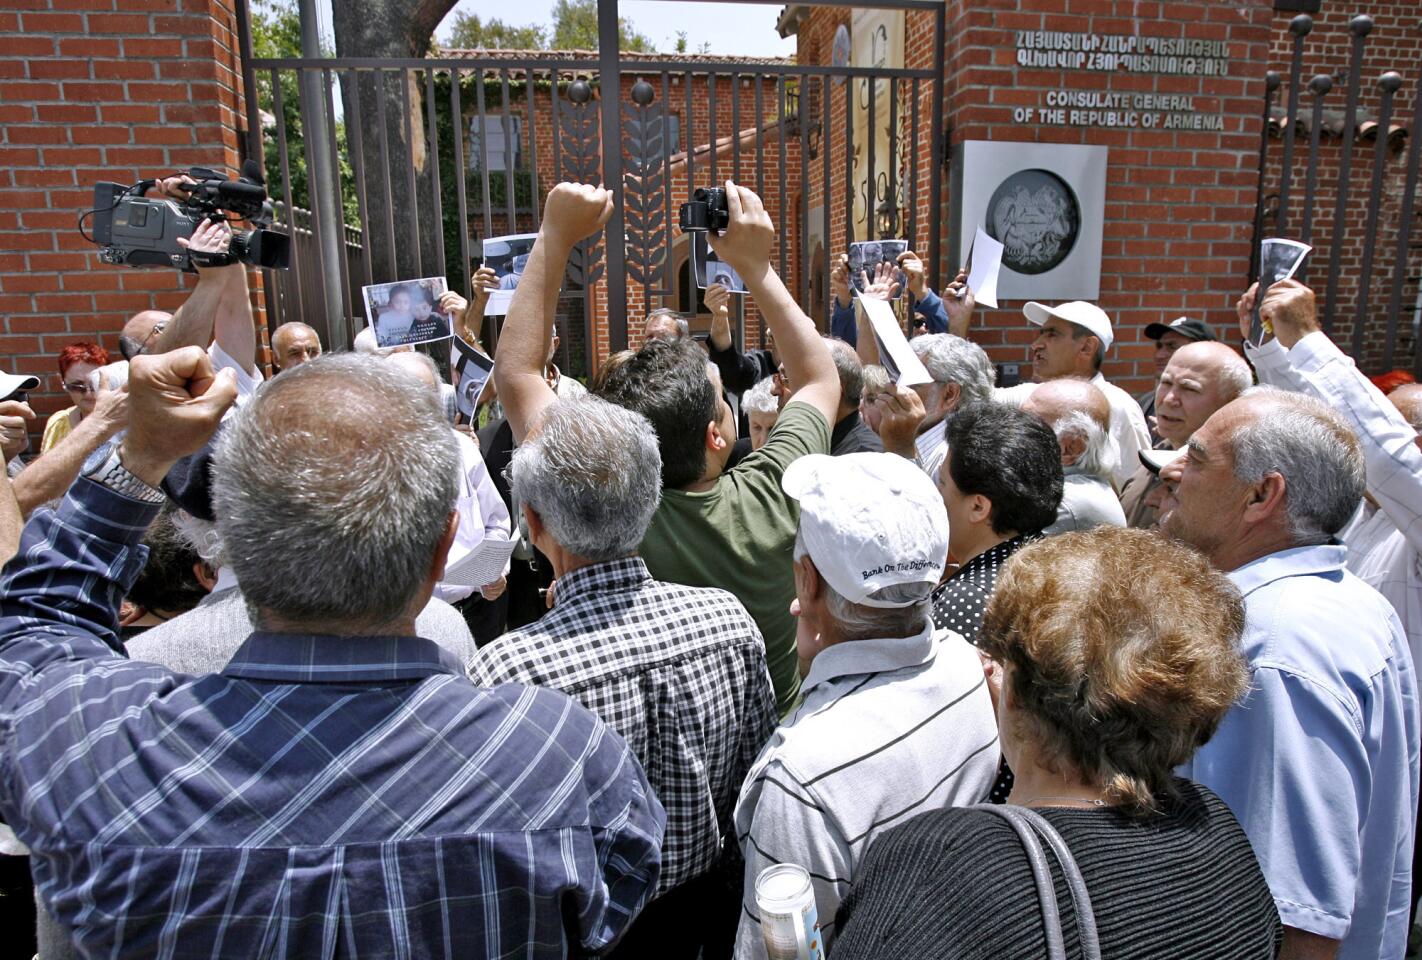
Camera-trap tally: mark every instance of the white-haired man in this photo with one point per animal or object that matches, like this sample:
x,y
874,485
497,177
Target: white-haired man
x,y
1079,415
1320,760
679,671
896,717
293,344
339,782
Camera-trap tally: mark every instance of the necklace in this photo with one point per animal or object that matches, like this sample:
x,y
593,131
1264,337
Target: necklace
x,y
1095,802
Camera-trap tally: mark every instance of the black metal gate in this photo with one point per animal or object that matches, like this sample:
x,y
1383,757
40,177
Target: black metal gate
x,y
473,143
1368,253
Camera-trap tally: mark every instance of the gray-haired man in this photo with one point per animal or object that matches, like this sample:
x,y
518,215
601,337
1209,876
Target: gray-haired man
x,y
679,671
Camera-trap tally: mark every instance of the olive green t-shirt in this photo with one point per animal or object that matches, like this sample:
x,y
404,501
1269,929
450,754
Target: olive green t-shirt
x,y
740,536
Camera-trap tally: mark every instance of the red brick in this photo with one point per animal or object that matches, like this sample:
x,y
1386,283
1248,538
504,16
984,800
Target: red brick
x,y
37,134
131,113
127,24
43,23
67,112
150,47
123,70
29,46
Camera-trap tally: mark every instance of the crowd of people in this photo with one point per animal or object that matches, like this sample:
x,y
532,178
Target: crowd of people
x,y
262,694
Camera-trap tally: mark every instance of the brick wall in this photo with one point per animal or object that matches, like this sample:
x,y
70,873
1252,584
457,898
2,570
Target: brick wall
x,y
98,90
1179,205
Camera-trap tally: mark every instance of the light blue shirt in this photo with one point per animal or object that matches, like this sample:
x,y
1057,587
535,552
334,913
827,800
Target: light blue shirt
x,y
1320,760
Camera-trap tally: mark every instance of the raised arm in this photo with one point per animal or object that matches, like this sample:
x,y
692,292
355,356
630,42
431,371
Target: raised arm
x,y
739,371
10,520
571,212
219,307
53,472
746,247
471,323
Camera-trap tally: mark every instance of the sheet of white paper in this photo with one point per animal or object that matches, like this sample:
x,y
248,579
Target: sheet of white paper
x,y
482,565
895,354
987,263
498,305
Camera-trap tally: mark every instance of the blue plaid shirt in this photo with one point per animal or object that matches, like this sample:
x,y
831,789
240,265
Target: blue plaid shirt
x,y
321,797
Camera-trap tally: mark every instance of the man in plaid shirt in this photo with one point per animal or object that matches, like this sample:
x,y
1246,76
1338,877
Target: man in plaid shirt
x,y
679,671
340,789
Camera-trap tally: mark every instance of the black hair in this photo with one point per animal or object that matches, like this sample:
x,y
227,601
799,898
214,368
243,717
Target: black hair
x,y
666,382
167,581
1011,457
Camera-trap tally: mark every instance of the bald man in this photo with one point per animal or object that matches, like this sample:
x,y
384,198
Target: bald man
x,y
1080,415
1197,380
293,344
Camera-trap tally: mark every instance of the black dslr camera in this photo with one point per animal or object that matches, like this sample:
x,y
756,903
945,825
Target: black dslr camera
x,y
140,232
706,211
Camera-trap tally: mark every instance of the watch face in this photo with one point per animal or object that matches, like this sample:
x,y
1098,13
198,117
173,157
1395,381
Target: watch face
x,y
98,458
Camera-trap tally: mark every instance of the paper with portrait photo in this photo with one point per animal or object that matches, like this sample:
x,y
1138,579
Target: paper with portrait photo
x,y
472,372
895,354
710,268
865,257
506,256
407,311
1279,260
984,265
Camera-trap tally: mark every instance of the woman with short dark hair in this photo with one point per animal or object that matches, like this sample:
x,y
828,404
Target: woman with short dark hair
x,y
1119,656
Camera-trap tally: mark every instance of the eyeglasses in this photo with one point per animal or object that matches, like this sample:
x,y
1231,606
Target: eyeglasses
x,y
79,386
157,329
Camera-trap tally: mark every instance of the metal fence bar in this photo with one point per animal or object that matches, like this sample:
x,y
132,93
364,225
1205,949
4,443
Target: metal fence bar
x,y
1271,84
802,120
615,235
1319,87
278,103
711,127
456,113
849,105
893,194
483,157
690,145
510,168
784,213
1360,26
871,195
736,127
1299,27
1404,232
380,88
938,158
913,171
435,185
759,80
343,258
413,214
1389,84
530,95
354,131
668,148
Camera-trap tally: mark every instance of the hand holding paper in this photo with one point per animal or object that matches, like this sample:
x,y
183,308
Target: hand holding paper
x,y
986,265
895,354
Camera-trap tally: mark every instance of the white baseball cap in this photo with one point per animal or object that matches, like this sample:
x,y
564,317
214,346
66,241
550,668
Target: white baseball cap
x,y
1083,314
870,521
13,382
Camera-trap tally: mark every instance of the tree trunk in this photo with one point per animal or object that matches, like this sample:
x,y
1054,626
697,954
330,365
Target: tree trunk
x,y
400,228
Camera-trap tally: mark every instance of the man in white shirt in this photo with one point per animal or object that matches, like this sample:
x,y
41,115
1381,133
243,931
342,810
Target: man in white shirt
x,y
1072,343
482,513
896,717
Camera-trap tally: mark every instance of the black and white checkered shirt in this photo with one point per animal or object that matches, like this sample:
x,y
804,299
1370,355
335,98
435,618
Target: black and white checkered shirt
x,y
678,671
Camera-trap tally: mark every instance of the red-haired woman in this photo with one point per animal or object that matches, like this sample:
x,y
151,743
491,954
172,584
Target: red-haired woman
x,y
76,362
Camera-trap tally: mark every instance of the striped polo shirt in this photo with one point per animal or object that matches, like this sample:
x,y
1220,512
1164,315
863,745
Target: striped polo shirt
x,y
888,729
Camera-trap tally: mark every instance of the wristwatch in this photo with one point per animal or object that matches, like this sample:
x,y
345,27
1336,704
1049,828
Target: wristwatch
x,y
104,466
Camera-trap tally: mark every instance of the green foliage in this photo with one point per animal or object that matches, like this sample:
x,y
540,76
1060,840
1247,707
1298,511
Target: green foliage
x,y
575,28
276,33
469,32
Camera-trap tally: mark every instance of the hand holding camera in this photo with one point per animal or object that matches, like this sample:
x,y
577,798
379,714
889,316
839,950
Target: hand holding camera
x,y
748,237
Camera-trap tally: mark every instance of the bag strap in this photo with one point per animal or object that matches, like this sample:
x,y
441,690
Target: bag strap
x,y
1029,826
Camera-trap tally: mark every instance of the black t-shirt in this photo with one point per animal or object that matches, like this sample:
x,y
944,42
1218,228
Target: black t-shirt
x,y
956,884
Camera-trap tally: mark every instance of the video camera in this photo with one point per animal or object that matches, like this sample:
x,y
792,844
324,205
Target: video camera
x,y
140,232
706,210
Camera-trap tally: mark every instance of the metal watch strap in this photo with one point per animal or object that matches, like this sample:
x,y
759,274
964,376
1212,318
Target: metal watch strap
x,y
114,475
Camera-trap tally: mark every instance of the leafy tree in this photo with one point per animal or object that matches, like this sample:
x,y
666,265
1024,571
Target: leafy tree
x,y
469,32
276,32
575,28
